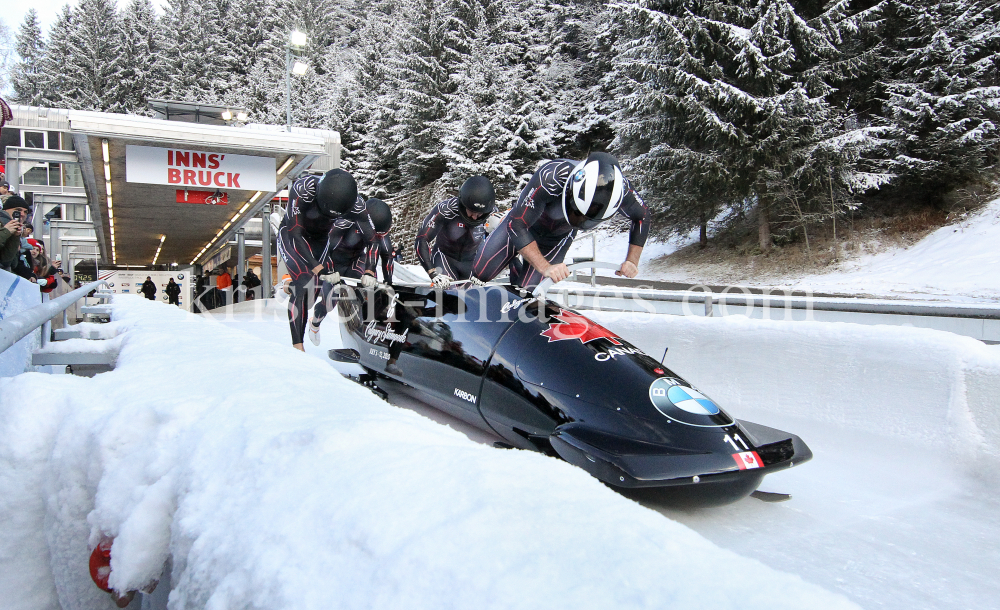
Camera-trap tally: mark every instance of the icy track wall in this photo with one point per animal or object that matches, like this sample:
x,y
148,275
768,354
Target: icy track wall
x,y
928,386
272,482
17,295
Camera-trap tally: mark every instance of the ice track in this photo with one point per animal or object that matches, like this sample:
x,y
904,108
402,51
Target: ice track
x,y
898,509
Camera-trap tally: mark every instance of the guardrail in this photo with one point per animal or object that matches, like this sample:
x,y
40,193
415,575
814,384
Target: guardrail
x,y
979,321
19,325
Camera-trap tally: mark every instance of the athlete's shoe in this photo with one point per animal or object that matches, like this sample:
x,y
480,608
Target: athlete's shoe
x,y
392,369
313,333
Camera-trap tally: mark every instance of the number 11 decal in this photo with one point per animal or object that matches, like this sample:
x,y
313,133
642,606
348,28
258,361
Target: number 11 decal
x,y
731,441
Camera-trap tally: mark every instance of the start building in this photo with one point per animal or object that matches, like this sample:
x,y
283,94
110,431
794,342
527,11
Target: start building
x,y
138,192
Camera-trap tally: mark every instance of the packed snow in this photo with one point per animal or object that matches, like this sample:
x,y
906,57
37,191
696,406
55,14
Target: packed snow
x,y
271,481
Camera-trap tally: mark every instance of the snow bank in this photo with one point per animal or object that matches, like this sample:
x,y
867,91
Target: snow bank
x,y
960,259
928,386
273,482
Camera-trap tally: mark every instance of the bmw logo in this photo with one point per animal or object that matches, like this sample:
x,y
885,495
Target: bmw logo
x,y
580,175
685,404
180,276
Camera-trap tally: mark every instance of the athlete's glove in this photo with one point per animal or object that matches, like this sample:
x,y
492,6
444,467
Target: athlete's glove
x,y
368,280
441,281
330,278
475,280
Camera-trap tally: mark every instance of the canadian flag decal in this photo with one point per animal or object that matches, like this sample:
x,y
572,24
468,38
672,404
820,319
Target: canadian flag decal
x,y
574,326
747,460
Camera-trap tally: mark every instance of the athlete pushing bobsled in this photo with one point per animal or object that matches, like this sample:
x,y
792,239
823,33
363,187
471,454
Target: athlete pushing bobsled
x,y
329,232
562,197
454,230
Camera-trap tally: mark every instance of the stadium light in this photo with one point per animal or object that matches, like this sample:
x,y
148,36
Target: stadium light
x,y
295,39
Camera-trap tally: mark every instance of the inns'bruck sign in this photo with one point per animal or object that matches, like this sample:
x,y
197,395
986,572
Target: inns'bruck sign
x,y
197,169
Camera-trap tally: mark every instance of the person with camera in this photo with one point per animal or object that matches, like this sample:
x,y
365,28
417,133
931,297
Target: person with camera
x,y
12,220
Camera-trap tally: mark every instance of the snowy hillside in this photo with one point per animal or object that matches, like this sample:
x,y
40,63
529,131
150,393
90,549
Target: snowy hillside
x,y
958,262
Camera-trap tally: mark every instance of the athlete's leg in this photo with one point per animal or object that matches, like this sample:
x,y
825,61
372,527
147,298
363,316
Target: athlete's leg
x,y
496,253
303,292
452,267
302,287
554,254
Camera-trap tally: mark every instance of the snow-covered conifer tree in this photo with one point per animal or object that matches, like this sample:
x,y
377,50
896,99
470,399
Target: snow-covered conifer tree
x,y
137,65
26,76
944,100
722,105
195,57
91,66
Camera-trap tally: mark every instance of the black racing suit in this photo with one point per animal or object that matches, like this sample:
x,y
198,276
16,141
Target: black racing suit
x,y
307,239
456,240
538,217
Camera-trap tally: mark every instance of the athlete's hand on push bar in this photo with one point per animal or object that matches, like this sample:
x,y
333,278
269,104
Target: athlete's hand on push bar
x,y
557,272
368,280
628,269
330,278
441,281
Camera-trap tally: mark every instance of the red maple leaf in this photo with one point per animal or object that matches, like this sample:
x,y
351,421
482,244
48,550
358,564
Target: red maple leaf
x,y
574,326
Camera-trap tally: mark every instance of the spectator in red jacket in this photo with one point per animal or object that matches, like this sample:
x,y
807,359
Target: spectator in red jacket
x,y
43,273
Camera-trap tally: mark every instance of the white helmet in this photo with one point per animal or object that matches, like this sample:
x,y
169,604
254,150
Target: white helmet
x,y
494,221
594,191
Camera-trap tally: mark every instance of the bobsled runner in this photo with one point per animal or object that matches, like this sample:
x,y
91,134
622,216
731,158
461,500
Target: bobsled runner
x,y
546,378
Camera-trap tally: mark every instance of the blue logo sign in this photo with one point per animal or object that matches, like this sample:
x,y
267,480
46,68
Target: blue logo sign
x,y
666,394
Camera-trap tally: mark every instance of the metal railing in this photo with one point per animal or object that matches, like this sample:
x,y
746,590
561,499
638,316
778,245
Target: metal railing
x,y
21,324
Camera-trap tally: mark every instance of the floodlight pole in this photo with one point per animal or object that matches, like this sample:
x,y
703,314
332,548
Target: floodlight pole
x,y
266,281
288,86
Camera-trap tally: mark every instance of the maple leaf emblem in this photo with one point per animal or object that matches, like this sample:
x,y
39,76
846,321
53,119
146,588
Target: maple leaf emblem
x,y
574,326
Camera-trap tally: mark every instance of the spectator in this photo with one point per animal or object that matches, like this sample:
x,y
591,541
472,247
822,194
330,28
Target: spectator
x,y
14,247
149,288
29,230
173,292
251,282
42,273
4,191
15,211
224,282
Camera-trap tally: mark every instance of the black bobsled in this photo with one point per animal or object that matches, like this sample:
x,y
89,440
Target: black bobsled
x,y
545,378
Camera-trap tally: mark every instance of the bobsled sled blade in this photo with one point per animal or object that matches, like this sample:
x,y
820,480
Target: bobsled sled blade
x,y
770,496
350,356
502,445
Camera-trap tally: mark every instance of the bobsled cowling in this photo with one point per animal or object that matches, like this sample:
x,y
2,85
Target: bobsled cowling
x,y
546,378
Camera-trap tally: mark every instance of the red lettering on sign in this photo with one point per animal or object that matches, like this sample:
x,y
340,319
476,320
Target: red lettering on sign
x,y
217,179
197,159
189,177
181,159
234,180
204,178
173,176
213,161
170,157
